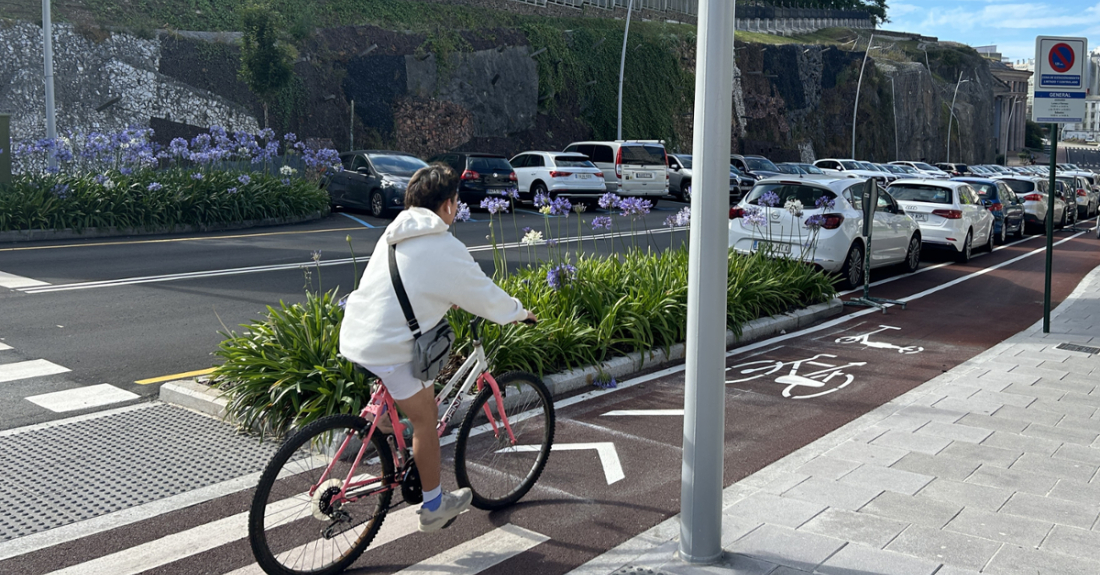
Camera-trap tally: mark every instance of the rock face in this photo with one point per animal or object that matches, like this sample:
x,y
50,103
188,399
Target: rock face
x,y
106,85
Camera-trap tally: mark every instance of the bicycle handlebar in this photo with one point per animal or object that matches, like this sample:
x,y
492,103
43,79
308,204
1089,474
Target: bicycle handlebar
x,y
475,326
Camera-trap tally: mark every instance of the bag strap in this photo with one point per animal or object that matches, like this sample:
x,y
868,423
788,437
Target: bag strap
x,y
402,296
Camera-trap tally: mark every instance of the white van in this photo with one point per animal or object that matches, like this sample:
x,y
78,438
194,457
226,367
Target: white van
x,y
630,167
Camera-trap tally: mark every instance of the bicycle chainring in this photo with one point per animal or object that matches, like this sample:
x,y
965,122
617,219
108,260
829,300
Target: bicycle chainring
x,y
321,504
411,489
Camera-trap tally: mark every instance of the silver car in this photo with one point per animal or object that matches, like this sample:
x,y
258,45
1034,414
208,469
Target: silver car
x,y
680,176
1034,193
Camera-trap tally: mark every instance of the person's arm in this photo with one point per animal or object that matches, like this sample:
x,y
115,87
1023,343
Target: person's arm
x,y
476,292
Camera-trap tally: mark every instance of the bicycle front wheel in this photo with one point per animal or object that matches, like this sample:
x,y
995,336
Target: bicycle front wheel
x,y
297,523
498,470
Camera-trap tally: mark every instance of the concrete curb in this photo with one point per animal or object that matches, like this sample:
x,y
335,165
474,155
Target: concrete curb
x,y
112,232
190,394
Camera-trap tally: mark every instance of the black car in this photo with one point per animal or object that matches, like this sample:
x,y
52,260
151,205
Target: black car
x,y
482,175
373,179
757,167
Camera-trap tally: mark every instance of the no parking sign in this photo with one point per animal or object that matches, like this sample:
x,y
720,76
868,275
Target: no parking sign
x,y
1060,83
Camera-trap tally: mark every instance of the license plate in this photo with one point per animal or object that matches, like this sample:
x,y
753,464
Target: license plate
x,y
643,175
772,247
919,217
584,176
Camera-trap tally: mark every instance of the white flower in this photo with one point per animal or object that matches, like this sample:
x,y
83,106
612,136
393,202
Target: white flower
x,y
108,184
532,238
287,171
794,207
243,151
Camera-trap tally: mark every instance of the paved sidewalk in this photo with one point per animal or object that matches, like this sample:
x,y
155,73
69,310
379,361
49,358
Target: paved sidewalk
x,y
989,468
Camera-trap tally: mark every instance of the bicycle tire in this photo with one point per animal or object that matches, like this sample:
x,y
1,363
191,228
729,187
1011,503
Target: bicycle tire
x,y
470,470
263,549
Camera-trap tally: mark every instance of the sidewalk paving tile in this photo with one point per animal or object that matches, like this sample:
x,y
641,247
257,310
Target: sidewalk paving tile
x,y
1007,378
1078,453
1076,491
769,508
1012,479
944,546
1062,407
937,466
1073,542
912,442
1037,392
944,415
994,423
1027,415
827,467
775,483
1038,371
867,453
860,560
888,479
967,494
983,454
1067,434
1001,527
920,510
833,494
1083,390
1004,398
1071,386
971,405
1016,441
952,570
955,431
784,546
1013,560
1061,468
859,527
734,527
1051,509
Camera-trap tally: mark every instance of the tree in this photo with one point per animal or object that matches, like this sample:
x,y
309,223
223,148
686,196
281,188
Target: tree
x,y
265,61
1033,135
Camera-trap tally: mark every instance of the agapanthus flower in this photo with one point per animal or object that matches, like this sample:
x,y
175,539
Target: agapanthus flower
x,y
154,187
634,207
287,171
267,133
580,207
463,213
510,193
531,238
108,184
285,181
316,256
244,179
541,200
526,230
560,207
290,137
495,205
794,207
61,191
606,384
754,216
545,210
769,199
609,201
815,221
231,190
679,219
552,242
560,275
196,176
601,222
825,202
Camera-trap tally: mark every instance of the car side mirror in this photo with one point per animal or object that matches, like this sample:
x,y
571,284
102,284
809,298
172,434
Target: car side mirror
x,y
363,170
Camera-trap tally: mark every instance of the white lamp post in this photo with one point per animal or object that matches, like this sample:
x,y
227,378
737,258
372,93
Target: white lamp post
x,y
952,114
47,57
622,68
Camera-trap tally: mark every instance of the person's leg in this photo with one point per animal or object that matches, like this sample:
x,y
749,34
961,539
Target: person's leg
x,y
423,414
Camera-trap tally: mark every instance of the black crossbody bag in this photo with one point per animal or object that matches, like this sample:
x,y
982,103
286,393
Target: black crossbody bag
x,y
431,349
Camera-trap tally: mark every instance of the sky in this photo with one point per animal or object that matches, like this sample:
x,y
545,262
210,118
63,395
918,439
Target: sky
x,y
1011,26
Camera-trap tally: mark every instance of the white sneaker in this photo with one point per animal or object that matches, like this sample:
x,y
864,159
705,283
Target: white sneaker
x,y
452,504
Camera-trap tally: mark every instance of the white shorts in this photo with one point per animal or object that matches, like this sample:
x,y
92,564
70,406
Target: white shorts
x,y
398,379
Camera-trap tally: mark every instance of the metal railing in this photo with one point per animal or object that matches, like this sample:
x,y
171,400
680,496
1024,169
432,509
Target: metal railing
x,y
759,10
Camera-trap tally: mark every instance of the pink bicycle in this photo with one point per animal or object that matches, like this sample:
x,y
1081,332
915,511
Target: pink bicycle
x,y
323,497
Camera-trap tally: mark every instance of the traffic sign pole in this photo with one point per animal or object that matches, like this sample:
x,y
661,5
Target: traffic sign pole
x,y
1050,225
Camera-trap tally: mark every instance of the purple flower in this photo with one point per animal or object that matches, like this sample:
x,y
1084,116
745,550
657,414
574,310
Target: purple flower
x,y
510,193
679,219
526,230
815,221
463,213
267,134
606,384
825,202
244,179
634,207
560,206
601,222
285,181
552,242
100,178
769,199
609,201
541,200
560,275
495,205
231,191
153,187
61,191
125,171
754,216
196,176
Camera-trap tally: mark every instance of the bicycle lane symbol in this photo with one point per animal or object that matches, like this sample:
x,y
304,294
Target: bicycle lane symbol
x,y
831,378
865,339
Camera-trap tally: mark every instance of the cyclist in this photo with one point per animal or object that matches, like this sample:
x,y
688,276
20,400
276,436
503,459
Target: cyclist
x,y
438,273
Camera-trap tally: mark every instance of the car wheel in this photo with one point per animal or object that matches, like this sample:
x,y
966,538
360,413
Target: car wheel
x,y
538,188
1003,238
653,201
912,257
852,271
989,241
377,204
1021,230
967,248
685,194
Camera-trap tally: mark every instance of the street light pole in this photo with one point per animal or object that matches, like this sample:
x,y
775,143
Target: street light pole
x,y
704,374
859,85
952,114
1008,128
622,68
47,57
894,101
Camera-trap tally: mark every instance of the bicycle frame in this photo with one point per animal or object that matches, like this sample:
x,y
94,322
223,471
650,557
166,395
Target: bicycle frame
x,y
474,370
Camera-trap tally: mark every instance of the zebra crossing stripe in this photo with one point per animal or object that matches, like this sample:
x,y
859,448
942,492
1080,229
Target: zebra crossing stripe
x,y
27,369
11,281
4,346
82,398
479,554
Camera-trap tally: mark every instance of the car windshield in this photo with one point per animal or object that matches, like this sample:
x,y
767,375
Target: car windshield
x,y
643,155
869,166
734,170
908,169
487,164
921,193
1020,186
850,165
808,195
924,166
761,164
786,169
811,169
573,162
895,169
685,161
396,165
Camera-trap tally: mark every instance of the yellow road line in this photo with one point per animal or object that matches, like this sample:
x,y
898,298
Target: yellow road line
x,y
170,240
174,376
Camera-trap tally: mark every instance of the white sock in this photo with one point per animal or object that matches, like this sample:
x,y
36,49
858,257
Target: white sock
x,y
432,497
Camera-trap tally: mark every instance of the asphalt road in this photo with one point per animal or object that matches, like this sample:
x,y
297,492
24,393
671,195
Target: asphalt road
x,y
122,310
781,394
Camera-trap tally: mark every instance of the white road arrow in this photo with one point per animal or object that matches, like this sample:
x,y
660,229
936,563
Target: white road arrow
x,y
633,412
609,457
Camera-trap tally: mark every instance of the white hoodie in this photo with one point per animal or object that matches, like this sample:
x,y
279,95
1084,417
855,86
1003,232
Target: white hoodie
x,y
437,271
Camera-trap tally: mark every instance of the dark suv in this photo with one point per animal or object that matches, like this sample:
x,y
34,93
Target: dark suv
x,y
482,175
758,167
373,179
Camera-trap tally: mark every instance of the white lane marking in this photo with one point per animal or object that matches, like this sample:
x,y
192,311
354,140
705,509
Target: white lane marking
x,y
280,267
477,555
32,368
15,282
397,524
609,457
642,412
82,398
4,346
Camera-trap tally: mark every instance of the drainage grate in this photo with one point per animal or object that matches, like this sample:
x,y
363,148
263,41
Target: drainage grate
x,y
1080,348
58,475
630,570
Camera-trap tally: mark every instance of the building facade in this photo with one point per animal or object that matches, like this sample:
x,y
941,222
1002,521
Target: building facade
x,y
1011,108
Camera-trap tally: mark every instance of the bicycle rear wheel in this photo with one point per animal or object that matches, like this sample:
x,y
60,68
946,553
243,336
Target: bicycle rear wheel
x,y
497,471
293,532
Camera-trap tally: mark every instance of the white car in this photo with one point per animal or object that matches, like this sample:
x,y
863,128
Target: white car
x,y
950,214
557,174
837,244
926,170
850,169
